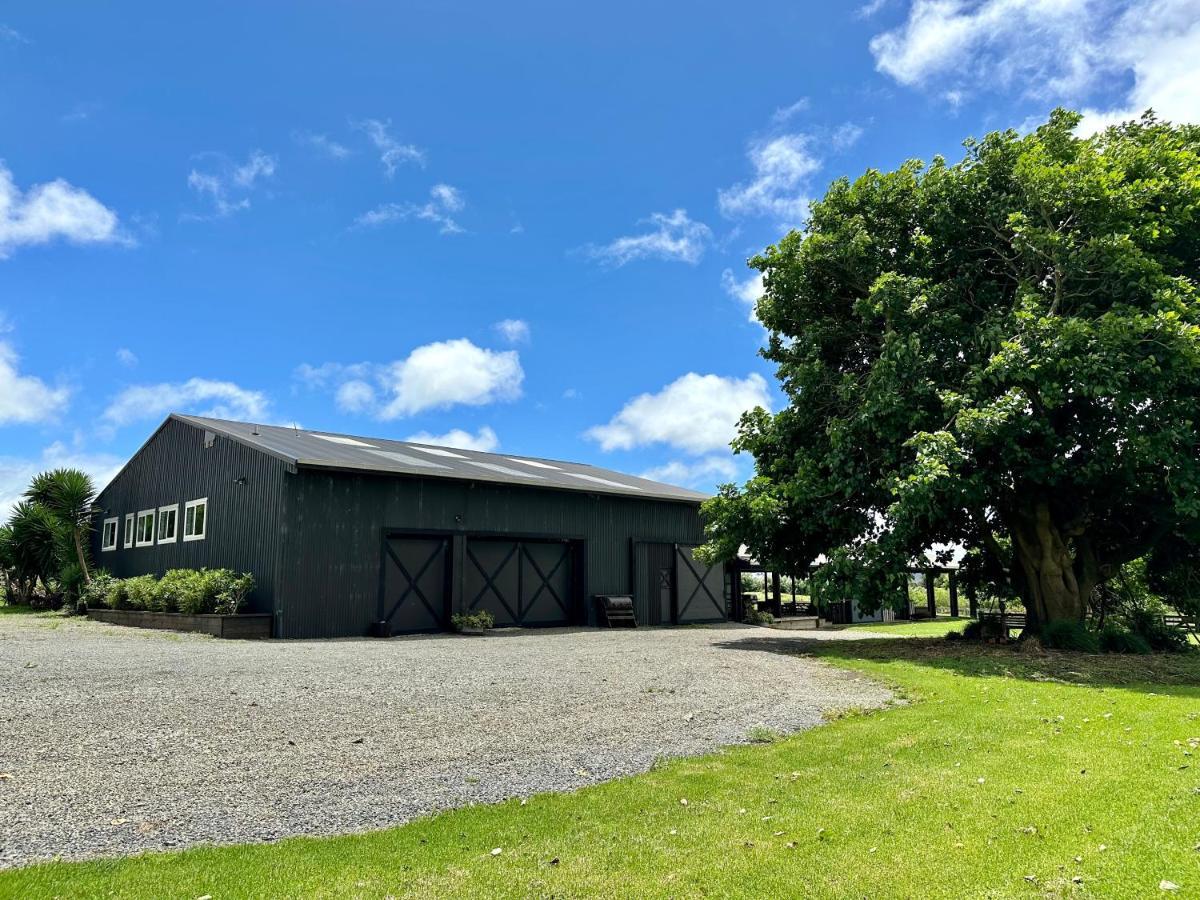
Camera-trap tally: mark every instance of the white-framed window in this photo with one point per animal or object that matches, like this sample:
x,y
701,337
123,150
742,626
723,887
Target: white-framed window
x,y
144,535
168,524
195,519
108,535
128,542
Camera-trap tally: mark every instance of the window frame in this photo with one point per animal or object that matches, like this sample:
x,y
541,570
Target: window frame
x,y
188,507
130,524
137,534
106,547
158,521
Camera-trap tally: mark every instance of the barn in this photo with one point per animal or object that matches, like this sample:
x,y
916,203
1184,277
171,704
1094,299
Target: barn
x,y
351,536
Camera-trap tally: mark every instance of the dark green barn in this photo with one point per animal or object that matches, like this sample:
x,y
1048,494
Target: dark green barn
x,y
350,536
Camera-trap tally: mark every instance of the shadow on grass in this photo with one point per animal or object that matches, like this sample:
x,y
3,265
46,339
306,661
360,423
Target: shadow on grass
x,y
1177,674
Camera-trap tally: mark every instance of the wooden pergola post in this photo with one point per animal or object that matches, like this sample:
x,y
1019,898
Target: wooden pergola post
x,y
930,596
778,600
954,594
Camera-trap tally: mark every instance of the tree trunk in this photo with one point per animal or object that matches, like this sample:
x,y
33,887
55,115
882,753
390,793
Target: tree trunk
x,y
83,566
1044,569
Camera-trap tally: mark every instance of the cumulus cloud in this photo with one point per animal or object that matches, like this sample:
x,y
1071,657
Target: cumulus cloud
x,y
392,153
322,144
672,236
127,357
199,396
17,472
434,376
26,399
1057,50
695,413
484,440
746,292
785,114
227,185
702,473
782,166
51,211
515,331
444,202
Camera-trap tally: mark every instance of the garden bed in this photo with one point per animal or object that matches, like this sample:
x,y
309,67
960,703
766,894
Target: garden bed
x,y
242,625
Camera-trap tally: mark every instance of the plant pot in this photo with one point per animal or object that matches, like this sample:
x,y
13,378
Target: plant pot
x,y
473,631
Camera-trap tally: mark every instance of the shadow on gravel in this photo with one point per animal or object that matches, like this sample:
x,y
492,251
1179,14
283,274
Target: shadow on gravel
x,y
1177,674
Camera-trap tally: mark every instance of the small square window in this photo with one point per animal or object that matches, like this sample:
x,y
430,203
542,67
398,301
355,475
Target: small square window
x,y
128,531
108,535
144,535
195,520
168,524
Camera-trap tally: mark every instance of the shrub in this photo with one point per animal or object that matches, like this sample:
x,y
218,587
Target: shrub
x,y
177,591
482,619
1065,634
141,592
230,590
96,593
1116,639
117,596
986,628
758,617
1153,628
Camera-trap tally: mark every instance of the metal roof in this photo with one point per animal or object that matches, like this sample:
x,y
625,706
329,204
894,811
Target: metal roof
x,y
327,450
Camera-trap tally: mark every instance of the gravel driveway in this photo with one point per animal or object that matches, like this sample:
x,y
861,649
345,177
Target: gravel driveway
x,y
117,740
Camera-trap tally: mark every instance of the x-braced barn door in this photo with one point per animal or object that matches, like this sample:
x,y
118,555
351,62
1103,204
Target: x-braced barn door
x,y
519,582
699,589
415,581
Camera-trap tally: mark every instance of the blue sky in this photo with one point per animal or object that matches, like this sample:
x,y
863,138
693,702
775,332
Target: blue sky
x,y
523,226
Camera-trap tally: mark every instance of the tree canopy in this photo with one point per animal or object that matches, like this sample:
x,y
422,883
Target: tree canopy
x,y
1001,353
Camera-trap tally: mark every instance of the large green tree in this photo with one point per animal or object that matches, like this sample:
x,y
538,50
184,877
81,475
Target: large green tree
x,y
1001,353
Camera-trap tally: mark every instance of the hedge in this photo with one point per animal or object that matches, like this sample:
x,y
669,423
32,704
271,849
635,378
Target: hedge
x,y
191,591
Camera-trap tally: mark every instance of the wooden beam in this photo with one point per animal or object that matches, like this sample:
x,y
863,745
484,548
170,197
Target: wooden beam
x,y
930,596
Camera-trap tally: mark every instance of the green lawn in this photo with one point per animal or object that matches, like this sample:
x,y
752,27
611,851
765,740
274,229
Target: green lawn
x,y
939,627
1009,775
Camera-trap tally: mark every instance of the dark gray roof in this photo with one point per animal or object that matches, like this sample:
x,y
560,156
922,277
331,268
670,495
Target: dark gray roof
x,y
326,450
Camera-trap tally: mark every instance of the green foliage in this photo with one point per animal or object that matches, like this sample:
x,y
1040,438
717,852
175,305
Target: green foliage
x,y
1116,638
755,616
986,628
190,591
141,592
1067,634
1002,353
481,619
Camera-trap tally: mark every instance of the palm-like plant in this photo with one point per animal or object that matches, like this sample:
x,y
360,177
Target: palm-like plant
x,y
68,494
33,539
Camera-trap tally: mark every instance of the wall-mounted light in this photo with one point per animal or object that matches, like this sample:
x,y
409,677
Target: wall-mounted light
x,y
241,482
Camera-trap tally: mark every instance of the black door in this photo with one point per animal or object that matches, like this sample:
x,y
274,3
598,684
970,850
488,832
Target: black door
x,y
519,582
415,578
664,597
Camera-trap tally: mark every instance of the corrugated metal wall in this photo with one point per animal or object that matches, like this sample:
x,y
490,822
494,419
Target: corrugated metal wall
x,y
246,527
331,565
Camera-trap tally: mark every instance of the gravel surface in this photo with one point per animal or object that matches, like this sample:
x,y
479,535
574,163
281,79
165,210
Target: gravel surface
x,y
117,740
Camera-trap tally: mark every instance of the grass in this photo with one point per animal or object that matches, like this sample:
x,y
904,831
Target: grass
x,y
1007,775
928,628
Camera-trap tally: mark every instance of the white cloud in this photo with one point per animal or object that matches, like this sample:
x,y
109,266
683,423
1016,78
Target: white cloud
x,y
782,167
695,413
54,209
16,472
201,396
784,114
515,331
25,398
444,202
1058,50
392,153
322,144
703,473
449,373
871,8
674,237
227,187
433,376
127,357
484,440
745,292
8,33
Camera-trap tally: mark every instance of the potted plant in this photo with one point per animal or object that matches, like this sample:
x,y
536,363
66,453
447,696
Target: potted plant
x,y
473,623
